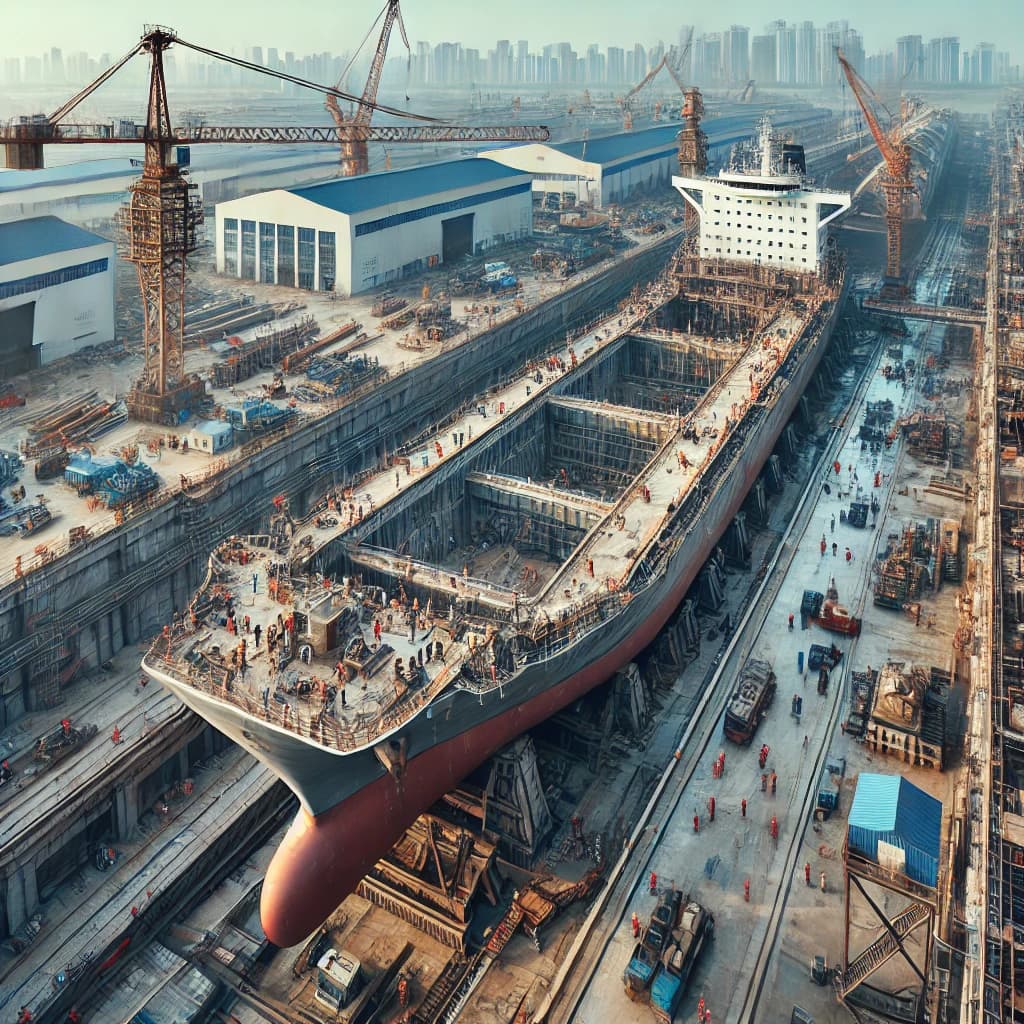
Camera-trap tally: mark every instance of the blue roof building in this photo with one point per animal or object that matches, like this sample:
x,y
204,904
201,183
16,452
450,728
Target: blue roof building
x,y
597,171
896,825
352,234
608,169
56,292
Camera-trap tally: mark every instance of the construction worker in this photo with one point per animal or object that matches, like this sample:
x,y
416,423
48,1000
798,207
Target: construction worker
x,y
65,724
654,882
835,549
377,628
5,771
696,823
773,827
711,808
635,923
24,1015
774,779
764,782
824,546
807,872
743,807
849,556
403,991
74,1017
115,736
700,1010
791,622
822,881
257,630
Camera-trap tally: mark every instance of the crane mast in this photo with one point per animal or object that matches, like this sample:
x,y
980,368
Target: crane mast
x,y
355,158
161,221
895,180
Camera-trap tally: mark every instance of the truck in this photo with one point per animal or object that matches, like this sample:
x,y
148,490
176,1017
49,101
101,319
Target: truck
x,y
749,703
696,925
646,959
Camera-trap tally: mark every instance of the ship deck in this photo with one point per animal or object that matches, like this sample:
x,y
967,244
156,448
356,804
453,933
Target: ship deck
x,y
419,651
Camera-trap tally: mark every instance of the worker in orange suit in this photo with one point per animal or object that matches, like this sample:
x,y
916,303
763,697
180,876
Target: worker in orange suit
x,y
635,923
115,736
403,991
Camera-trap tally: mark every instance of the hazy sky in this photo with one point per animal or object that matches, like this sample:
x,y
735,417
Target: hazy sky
x,y
313,25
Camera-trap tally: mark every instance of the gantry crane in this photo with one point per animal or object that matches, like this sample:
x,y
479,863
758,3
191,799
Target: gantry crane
x,y
895,180
162,218
355,158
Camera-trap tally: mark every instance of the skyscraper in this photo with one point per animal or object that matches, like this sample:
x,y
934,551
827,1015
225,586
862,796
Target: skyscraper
x,y
806,54
736,54
909,58
785,53
763,60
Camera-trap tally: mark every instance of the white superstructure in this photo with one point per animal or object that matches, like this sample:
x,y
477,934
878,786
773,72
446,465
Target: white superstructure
x,y
762,208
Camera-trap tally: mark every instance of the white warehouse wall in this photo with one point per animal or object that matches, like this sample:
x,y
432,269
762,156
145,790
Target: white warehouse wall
x,y
377,257
68,315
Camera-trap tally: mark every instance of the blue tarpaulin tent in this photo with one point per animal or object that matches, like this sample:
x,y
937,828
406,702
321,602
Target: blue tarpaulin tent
x,y
888,809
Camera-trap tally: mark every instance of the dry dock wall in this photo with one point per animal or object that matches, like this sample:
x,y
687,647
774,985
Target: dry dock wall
x,y
123,586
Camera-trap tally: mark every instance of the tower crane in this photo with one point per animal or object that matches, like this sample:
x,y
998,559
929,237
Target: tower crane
x,y
895,180
354,156
162,218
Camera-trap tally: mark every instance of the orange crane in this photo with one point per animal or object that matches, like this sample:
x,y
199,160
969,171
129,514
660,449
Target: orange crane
x,y
164,212
895,181
670,62
354,156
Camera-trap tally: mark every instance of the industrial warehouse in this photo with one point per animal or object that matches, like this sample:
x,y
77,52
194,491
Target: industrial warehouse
x,y
599,171
392,613
353,234
56,292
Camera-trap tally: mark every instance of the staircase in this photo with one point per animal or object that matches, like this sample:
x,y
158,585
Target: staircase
x,y
881,950
441,993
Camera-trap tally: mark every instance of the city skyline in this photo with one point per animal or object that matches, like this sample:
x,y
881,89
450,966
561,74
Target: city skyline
x,y
779,54
67,25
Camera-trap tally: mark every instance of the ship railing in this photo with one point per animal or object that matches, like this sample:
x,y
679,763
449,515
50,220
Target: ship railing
x,y
587,617
345,735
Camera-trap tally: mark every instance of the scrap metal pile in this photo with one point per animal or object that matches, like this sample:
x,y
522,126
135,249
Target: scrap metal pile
x,y
246,358
334,376
73,422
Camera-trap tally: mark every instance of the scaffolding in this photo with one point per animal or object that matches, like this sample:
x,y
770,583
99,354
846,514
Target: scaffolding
x,y
908,567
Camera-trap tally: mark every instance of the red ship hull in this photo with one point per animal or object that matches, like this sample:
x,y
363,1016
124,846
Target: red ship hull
x,y
322,859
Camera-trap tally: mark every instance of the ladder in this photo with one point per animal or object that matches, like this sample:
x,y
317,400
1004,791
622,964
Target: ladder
x,y
882,949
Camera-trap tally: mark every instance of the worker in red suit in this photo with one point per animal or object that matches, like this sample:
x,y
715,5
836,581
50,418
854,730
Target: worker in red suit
x,y
654,882
635,923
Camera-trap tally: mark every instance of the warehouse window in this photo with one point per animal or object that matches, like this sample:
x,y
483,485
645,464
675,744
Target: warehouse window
x,y
24,285
266,253
307,258
286,255
249,249
327,261
231,246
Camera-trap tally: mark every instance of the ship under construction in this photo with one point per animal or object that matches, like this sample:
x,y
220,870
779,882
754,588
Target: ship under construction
x,y
360,652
